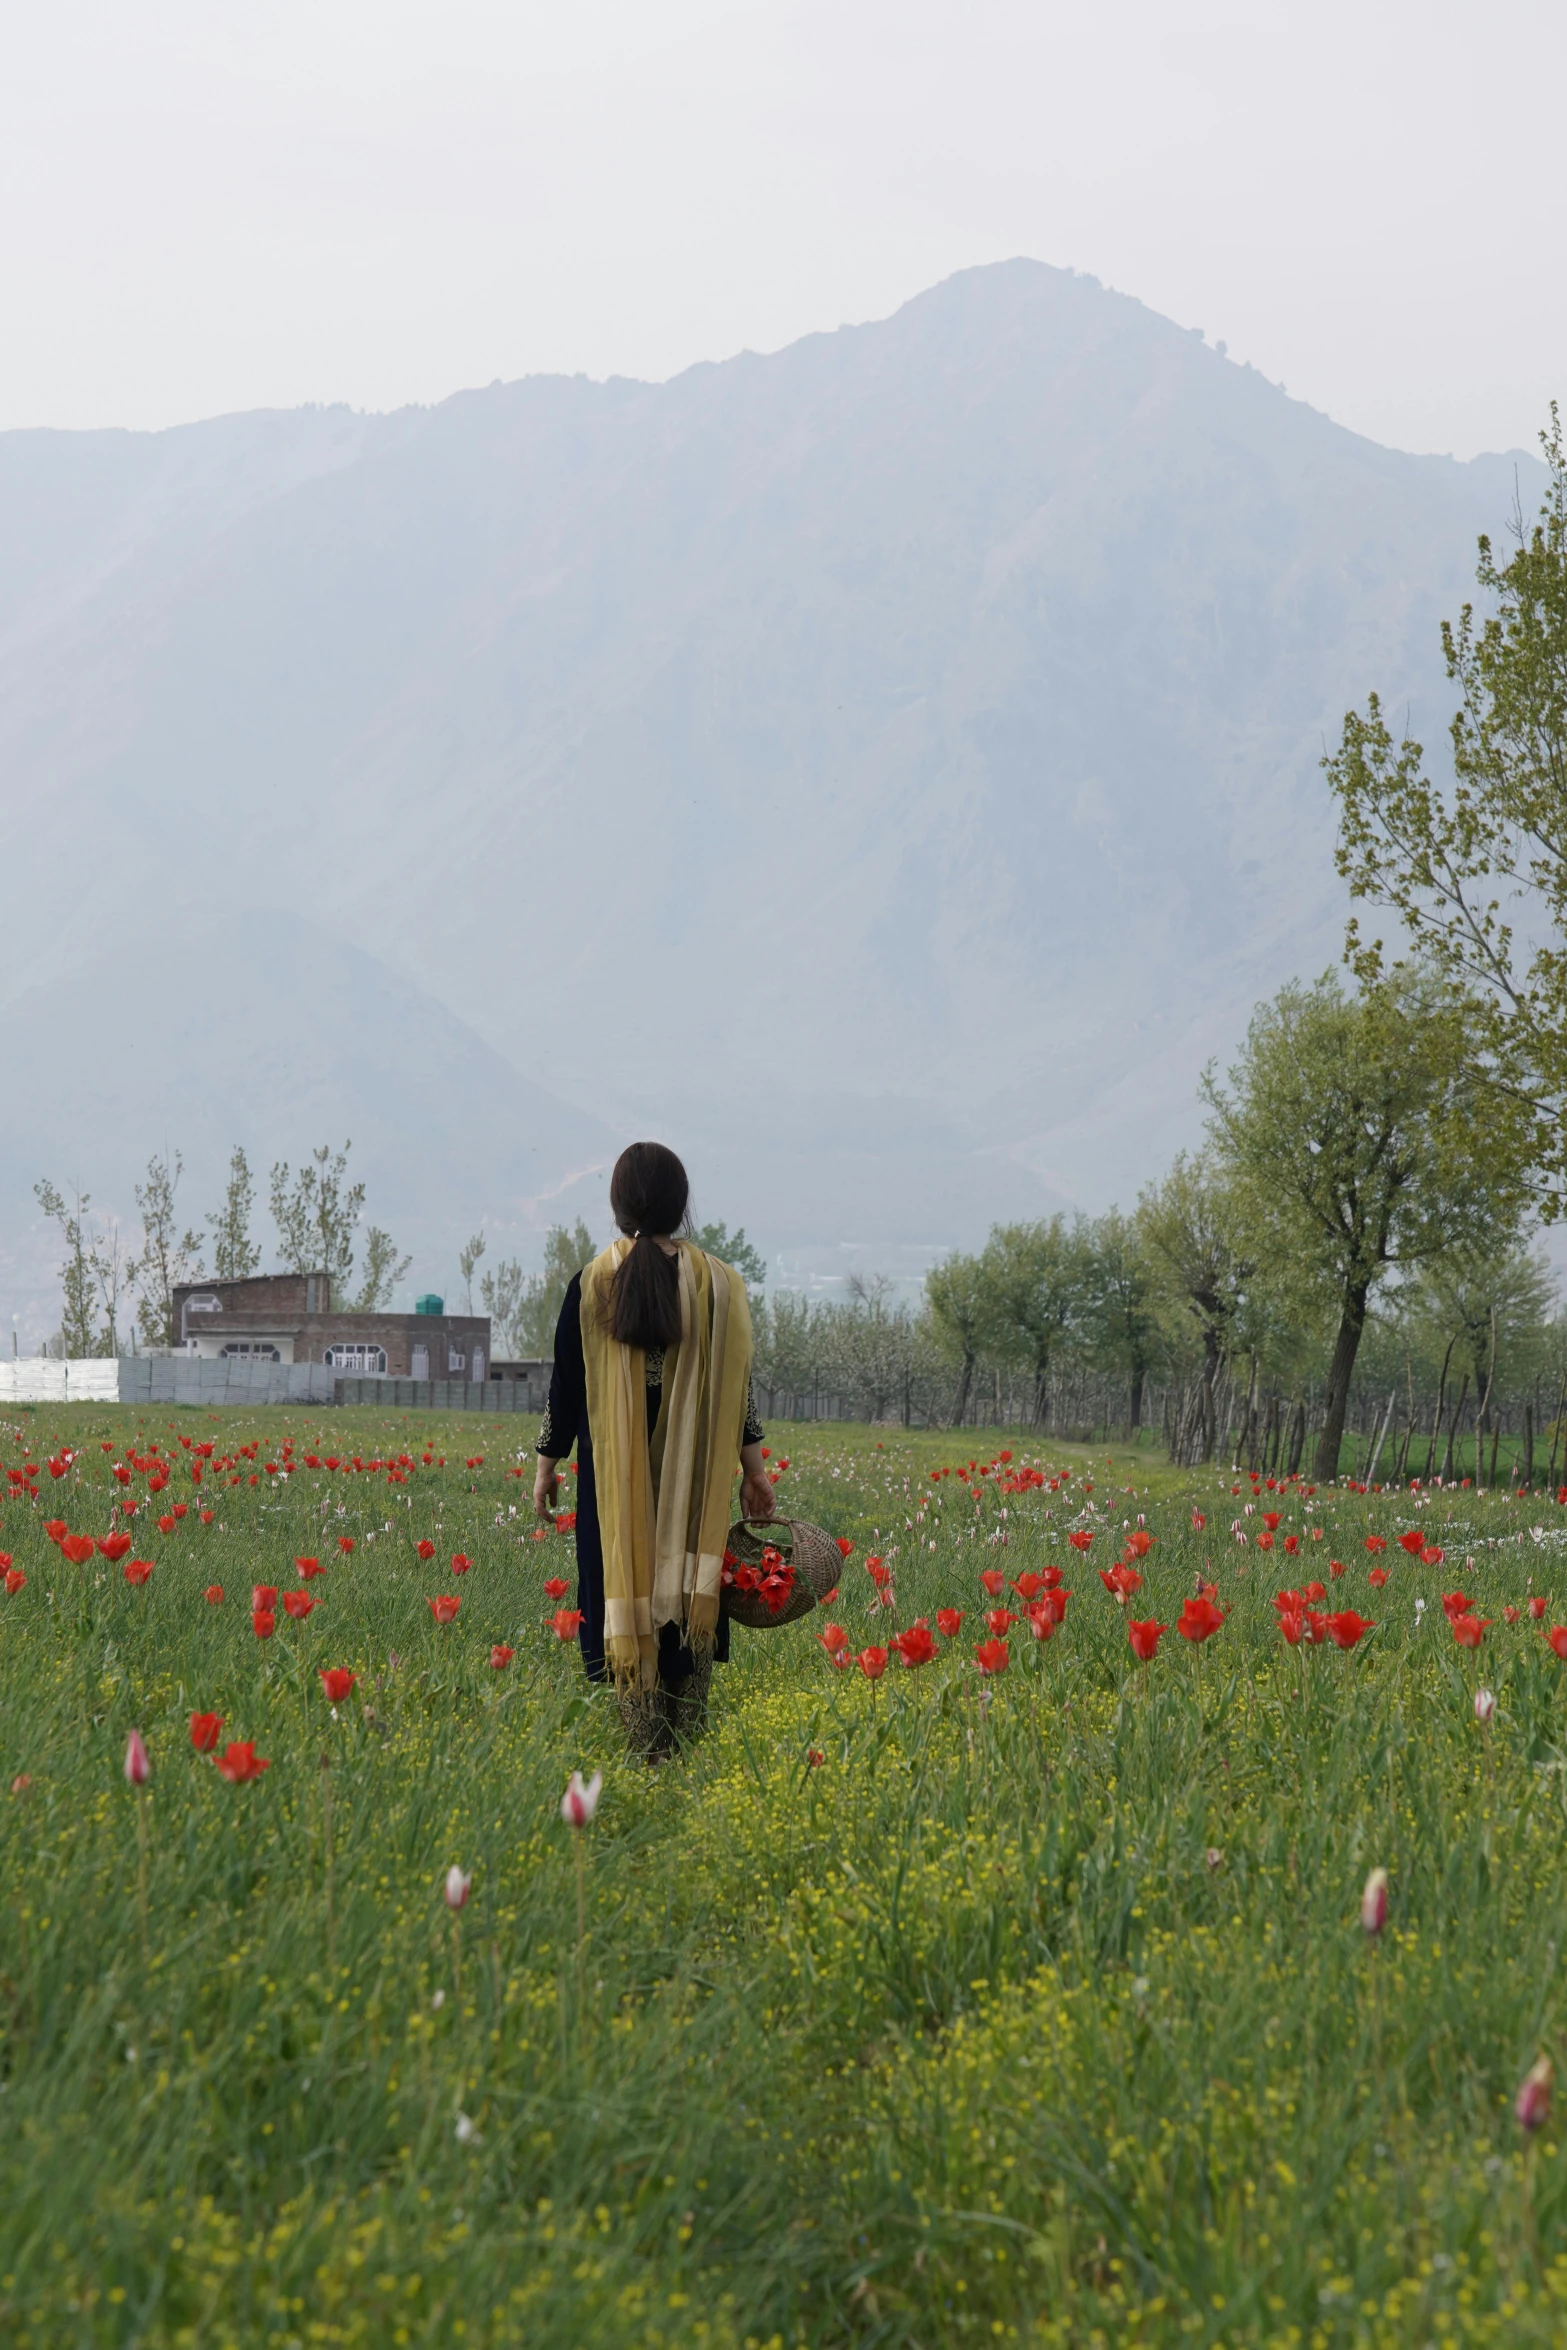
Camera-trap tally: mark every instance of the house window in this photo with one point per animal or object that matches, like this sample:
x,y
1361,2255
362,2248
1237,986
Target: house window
x,y
257,1352
371,1359
454,1360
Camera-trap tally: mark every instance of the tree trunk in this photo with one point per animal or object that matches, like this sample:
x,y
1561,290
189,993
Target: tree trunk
x,y
1528,1442
1139,1375
1297,1438
1351,1324
1458,1413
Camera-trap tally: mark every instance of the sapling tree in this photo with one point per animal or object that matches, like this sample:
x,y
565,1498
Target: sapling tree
x,y
235,1256
1475,864
315,1213
1360,1145
167,1256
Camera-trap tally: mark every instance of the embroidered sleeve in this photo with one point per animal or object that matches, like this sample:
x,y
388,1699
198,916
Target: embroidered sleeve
x,y
546,1439
754,1430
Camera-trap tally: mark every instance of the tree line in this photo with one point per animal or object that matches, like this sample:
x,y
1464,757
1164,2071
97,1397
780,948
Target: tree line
x,y
111,1288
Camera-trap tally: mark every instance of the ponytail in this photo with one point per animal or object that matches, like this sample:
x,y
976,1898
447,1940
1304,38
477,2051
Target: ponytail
x,y
649,1195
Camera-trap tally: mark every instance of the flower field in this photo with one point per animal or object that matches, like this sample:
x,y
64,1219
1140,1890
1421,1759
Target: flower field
x,y
1008,1964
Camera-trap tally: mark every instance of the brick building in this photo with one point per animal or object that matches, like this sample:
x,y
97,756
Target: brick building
x,y
290,1318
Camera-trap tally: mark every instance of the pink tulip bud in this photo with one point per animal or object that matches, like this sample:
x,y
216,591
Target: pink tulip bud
x,y
1485,1705
138,1770
1373,1902
580,1802
456,1887
1532,2105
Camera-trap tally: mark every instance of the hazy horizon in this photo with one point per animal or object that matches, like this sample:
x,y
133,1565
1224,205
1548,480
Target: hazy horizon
x,y
336,205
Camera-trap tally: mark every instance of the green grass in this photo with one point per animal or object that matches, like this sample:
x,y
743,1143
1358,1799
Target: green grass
x,y
1036,2011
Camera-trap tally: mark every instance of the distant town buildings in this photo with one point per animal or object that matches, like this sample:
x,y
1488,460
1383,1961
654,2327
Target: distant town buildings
x,y
290,1318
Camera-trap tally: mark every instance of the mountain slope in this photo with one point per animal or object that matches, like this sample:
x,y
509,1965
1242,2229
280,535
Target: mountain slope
x,y
889,765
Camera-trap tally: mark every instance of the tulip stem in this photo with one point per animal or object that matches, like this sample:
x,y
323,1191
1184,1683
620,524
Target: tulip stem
x,y
141,1868
576,1840
457,1959
331,1905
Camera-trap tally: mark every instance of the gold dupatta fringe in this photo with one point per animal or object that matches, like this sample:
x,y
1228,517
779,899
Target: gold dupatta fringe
x,y
664,1502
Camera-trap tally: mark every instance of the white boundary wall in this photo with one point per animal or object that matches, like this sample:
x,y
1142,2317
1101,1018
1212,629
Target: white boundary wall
x,y
185,1379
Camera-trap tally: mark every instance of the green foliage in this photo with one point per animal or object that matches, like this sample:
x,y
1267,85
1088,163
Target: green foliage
x,y
1359,1144
1035,2010
467,1264
383,1269
235,1255
315,1215
1037,1283
1466,863
524,1308
732,1248
93,1275
168,1257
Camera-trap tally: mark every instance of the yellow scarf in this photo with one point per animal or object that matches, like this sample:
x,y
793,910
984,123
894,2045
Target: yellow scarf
x,y
664,1500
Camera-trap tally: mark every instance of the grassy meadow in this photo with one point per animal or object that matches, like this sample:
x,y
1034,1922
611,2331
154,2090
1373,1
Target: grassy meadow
x,y
941,2008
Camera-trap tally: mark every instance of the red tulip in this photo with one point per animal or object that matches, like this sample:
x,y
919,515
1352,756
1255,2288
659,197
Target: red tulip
x,y
1431,1556
501,1657
263,1595
239,1761
1314,1591
337,1681
1145,1639
563,1623
166,1525
1198,1520
1414,1542
992,1656
1376,1542
1468,1631
1000,1620
298,1604
137,1570
556,1588
460,1562
1199,1620
114,1546
994,1581
445,1607
213,1594
845,1547
834,1638
78,1548
345,1543
872,1663
916,1646
949,1622
138,1770
1082,1539
14,1578
309,1567
56,1529
1345,1629
1537,1606
263,1622
204,1730
1377,1577
1556,1638
426,1550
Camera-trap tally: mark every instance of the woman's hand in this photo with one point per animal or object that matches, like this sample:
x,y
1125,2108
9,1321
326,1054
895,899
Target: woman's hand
x,y
756,1487
546,1488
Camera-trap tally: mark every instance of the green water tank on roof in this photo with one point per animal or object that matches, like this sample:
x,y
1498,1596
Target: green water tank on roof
x,y
429,1305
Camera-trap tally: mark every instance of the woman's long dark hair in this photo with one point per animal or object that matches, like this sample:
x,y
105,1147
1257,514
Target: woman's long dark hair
x,y
648,1194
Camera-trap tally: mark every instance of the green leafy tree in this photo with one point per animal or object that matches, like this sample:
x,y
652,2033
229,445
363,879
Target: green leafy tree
x,y
524,1308
315,1213
235,1255
1359,1146
1476,867
383,1269
467,1264
1125,1325
167,1256
1187,1230
959,1301
732,1248
1036,1288
78,1319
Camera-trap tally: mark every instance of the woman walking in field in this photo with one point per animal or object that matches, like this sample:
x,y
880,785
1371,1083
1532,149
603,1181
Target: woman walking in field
x,y
652,1381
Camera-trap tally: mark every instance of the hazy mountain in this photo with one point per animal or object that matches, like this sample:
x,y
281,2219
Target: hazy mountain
x,y
888,767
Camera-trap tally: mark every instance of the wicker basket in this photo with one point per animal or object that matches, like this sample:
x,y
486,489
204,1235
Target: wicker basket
x,y
814,1555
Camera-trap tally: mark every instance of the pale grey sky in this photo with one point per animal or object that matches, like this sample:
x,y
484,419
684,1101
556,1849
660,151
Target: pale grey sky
x,y
211,206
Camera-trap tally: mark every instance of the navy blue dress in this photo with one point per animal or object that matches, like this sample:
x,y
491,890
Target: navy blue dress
x,y
565,1424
